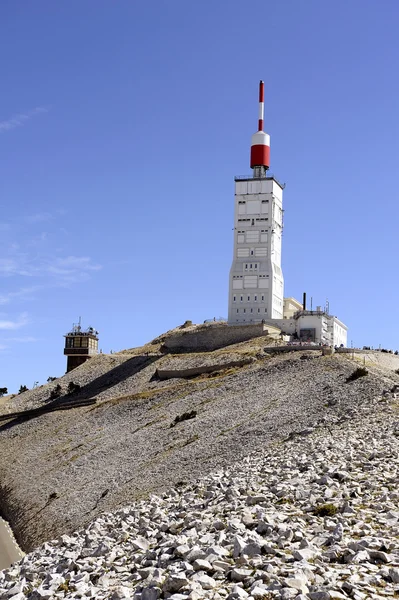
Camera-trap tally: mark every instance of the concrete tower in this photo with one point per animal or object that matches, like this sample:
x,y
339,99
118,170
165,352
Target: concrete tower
x,y
256,288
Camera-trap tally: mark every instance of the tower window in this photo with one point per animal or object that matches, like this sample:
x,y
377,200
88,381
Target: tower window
x,y
252,310
245,310
252,252
263,298
241,298
238,309
255,298
234,298
258,309
249,298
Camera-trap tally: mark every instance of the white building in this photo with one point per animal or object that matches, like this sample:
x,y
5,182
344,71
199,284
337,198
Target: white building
x,y
256,287
291,306
320,327
316,326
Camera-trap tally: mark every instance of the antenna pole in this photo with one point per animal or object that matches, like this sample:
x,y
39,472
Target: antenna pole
x,y
261,105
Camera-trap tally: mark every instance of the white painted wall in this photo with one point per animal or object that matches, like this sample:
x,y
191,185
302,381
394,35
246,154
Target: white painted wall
x,y
256,287
287,326
329,329
340,333
291,306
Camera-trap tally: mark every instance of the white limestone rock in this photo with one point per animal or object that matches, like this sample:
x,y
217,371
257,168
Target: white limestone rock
x,y
202,565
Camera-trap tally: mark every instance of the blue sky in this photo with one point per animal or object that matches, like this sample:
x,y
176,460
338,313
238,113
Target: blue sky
x,y
122,125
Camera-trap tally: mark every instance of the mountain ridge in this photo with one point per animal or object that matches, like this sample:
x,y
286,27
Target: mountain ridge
x,y
61,470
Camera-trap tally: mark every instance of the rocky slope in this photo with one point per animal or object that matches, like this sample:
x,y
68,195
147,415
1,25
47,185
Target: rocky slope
x,y
60,470
311,517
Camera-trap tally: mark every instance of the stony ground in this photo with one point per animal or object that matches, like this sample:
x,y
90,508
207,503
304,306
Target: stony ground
x,y
59,471
311,517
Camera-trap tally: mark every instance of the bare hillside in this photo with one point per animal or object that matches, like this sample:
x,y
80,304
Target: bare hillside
x,y
60,470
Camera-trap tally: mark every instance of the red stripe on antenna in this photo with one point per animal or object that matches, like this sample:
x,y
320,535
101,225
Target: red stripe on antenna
x,y
261,91
260,125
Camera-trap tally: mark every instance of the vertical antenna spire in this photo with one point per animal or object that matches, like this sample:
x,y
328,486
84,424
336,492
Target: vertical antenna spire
x,y
261,105
260,143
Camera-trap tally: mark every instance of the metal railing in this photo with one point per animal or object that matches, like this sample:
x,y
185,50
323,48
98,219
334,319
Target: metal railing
x,y
301,313
252,178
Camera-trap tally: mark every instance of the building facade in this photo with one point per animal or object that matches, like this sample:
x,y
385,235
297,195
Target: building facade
x,y
291,306
313,326
80,346
256,285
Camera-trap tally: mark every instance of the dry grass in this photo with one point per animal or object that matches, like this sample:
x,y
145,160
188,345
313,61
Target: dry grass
x,y
5,399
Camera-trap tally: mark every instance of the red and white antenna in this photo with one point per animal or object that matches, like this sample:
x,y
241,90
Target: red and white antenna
x,y
260,143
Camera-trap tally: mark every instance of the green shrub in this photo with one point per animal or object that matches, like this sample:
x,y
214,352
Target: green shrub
x,y
325,510
360,372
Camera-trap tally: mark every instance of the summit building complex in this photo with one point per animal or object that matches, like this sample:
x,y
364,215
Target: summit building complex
x,y
256,288
256,283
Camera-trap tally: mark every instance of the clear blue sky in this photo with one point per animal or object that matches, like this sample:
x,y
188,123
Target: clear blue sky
x,y
122,125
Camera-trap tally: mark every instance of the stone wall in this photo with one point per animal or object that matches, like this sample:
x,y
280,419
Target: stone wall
x,y
200,370
282,349
212,337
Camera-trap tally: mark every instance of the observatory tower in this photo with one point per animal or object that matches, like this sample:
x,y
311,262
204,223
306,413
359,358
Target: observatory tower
x,y
256,288
80,345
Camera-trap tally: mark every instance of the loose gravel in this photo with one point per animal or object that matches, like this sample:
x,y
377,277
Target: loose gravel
x,y
311,517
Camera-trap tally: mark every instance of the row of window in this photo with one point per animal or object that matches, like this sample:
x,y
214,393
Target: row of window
x,y
262,298
250,310
243,201
80,342
253,220
260,276
243,231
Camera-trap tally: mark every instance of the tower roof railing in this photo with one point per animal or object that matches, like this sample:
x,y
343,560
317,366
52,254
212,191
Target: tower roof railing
x,y
305,313
252,178
77,331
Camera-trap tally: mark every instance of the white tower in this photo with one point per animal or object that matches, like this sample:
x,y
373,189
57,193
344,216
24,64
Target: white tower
x,y
256,288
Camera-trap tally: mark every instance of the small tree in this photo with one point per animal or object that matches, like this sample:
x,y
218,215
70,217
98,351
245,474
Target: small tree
x,y
3,392
22,389
50,379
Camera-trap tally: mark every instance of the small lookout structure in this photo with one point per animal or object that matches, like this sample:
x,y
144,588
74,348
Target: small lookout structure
x,y
80,345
